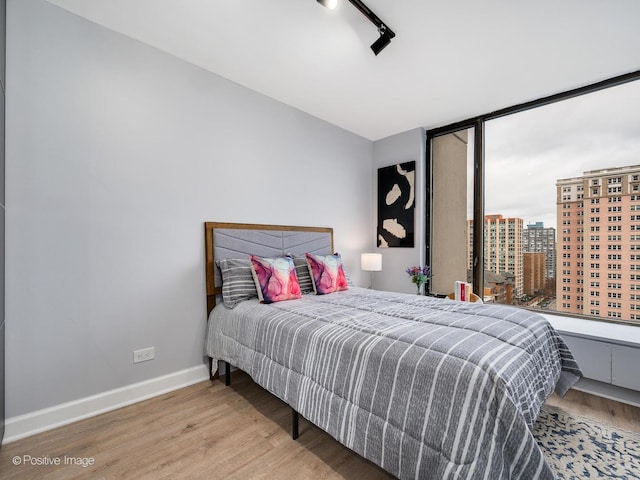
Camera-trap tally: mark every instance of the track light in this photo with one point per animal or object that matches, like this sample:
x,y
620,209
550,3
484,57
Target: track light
x,y
386,34
381,42
330,4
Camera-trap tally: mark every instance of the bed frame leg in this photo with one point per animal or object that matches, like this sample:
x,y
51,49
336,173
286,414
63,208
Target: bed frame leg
x,y
212,376
294,424
227,374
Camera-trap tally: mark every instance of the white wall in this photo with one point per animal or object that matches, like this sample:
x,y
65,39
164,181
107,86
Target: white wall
x,y
400,148
116,155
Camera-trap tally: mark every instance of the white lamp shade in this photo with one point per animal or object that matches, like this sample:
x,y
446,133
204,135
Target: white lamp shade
x,y
371,262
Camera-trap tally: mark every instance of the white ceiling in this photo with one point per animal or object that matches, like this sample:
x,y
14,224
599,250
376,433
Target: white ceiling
x,y
450,60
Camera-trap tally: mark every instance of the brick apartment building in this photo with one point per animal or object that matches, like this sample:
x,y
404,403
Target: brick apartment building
x,y
598,248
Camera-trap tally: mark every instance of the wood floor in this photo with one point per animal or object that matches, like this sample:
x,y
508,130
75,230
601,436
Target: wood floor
x,y
620,415
209,431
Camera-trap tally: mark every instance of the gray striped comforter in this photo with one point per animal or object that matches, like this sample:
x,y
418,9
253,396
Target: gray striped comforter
x,y
425,388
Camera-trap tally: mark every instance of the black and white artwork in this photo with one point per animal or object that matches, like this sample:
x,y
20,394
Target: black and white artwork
x,y
396,205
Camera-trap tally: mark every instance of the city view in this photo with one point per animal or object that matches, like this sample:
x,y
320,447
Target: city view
x,y
562,224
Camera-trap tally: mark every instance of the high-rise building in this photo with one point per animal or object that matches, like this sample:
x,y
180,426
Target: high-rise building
x,y
537,238
599,243
502,247
534,267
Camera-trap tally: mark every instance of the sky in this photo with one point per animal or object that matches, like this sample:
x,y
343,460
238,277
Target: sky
x,y
527,152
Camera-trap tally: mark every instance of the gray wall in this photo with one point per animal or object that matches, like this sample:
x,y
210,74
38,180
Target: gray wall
x,y
3,4
116,155
400,148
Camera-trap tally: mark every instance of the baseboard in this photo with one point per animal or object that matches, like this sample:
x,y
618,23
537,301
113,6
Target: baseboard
x,y
46,419
609,391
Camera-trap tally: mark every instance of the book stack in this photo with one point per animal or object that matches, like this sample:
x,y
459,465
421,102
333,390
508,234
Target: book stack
x,y
462,291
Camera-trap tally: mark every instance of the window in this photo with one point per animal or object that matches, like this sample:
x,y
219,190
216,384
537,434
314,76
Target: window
x,y
526,192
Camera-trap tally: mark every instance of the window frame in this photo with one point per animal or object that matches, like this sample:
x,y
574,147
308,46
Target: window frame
x,y
478,125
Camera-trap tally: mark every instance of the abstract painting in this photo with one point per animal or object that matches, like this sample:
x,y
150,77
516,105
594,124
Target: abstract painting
x,y
396,205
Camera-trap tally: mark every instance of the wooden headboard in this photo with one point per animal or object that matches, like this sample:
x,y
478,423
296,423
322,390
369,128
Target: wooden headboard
x,y
236,240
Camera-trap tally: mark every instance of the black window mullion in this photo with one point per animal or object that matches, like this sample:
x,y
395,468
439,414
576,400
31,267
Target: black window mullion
x,y
478,208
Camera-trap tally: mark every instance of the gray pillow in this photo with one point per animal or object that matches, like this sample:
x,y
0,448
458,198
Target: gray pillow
x,y
237,281
302,271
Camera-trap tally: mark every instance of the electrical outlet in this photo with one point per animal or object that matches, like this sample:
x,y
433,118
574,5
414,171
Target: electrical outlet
x,y
144,355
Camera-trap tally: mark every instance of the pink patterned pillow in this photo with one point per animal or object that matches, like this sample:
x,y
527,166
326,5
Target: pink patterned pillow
x,y
327,273
275,278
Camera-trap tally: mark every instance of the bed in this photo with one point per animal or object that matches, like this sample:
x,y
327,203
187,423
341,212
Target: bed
x,y
423,387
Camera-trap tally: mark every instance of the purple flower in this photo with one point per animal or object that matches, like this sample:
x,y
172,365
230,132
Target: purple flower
x,y
419,275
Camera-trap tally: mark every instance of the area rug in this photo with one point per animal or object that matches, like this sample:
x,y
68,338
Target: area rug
x,y
578,448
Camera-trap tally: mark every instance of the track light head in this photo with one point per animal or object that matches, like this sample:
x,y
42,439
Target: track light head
x,y
330,4
386,34
382,41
